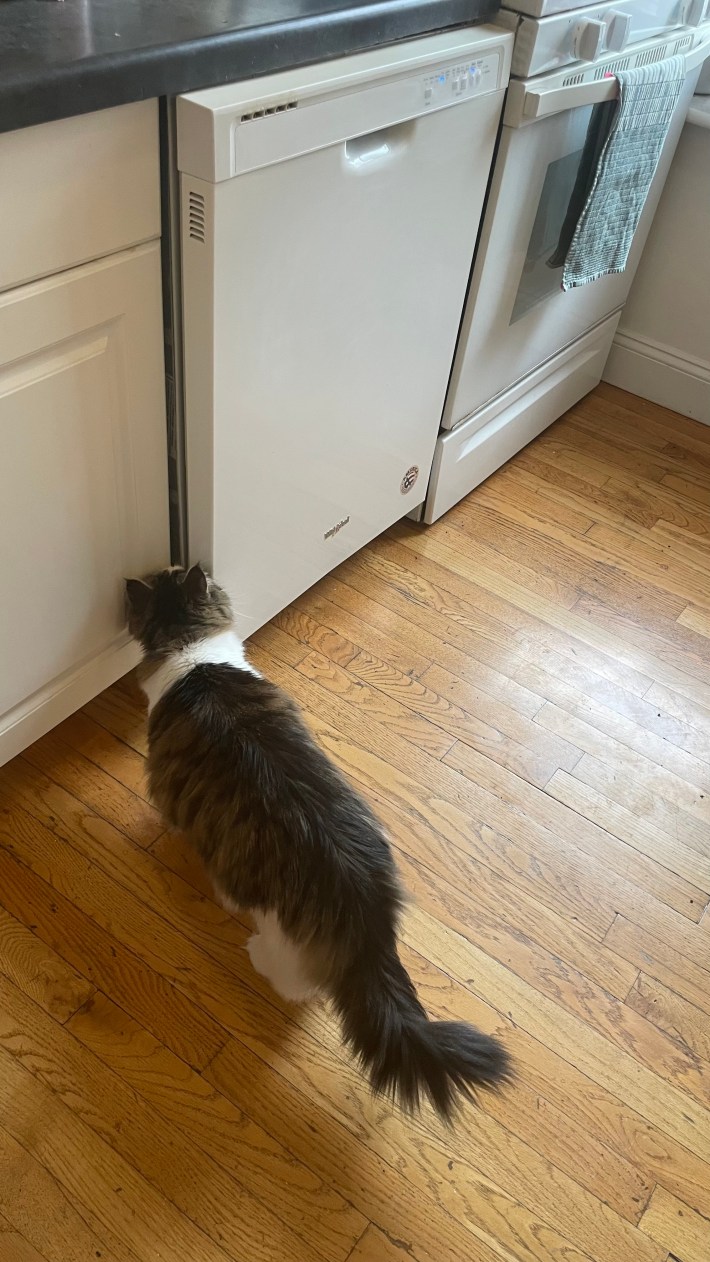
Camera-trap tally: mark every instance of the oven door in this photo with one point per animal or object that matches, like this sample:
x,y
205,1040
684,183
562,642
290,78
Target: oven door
x,y
516,315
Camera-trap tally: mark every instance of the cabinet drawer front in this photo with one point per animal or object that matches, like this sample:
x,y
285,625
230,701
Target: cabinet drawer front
x,y
77,189
83,465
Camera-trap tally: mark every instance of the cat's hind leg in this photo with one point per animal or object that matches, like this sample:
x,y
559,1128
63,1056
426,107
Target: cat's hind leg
x,y
280,960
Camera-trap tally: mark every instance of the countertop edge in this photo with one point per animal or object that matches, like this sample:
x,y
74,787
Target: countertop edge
x,y
89,84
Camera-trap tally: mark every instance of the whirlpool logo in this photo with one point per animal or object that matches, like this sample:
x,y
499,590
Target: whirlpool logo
x,y
334,530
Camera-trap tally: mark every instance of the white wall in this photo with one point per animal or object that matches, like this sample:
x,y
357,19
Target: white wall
x,y
662,347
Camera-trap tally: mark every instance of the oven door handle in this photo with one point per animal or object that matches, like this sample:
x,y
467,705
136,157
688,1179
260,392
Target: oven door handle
x,y
526,105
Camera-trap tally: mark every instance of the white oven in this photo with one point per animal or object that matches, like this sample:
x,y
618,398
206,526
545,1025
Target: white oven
x,y
527,350
552,39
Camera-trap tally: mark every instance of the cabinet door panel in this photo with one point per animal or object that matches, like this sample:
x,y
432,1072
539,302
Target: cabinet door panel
x,y
77,189
83,465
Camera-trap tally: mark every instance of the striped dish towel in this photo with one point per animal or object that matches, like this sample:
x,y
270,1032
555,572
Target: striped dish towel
x,y
627,164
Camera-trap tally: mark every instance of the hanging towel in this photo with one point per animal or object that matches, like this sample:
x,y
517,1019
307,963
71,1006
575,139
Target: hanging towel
x,y
605,229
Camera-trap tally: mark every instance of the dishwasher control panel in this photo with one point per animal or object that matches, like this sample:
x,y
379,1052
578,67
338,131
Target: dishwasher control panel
x,y
451,83
233,129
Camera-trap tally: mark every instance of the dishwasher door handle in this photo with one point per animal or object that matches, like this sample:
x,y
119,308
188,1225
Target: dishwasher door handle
x,y
364,152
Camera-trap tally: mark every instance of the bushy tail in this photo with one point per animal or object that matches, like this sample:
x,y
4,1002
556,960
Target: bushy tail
x,y
405,1055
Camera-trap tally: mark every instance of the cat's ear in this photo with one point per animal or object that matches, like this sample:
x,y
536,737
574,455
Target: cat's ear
x,y
138,595
195,583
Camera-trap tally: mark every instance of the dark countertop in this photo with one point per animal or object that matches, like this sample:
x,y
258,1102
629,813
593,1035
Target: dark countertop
x,y
64,57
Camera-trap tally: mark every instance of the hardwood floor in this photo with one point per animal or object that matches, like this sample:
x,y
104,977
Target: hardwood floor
x,y
523,692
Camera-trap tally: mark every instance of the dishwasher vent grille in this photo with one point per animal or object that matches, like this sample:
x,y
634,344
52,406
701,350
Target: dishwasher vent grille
x,y
196,216
271,109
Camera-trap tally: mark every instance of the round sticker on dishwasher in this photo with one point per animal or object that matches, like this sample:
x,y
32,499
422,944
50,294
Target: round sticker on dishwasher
x,y
409,479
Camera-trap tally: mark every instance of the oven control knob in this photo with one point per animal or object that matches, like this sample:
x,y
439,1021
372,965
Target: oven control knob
x,y
588,40
618,30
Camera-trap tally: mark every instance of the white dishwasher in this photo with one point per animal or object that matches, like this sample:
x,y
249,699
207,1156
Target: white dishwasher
x,y
328,222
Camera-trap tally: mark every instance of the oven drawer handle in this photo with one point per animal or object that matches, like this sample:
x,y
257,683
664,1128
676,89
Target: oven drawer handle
x,y
554,100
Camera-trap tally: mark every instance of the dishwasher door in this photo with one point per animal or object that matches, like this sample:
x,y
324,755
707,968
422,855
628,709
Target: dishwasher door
x,y
325,264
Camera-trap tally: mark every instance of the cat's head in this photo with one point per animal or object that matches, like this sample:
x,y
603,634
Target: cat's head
x,y
174,607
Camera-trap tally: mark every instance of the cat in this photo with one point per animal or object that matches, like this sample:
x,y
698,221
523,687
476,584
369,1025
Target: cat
x,y
286,837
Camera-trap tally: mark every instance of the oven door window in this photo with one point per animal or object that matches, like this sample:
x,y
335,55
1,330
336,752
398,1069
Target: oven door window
x,y
565,189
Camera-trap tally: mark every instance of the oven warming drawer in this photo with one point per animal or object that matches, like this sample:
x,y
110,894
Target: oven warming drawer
x,y
470,453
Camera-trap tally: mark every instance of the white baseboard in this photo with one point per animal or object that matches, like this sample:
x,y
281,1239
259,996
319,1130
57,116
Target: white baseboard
x,y
661,374
34,717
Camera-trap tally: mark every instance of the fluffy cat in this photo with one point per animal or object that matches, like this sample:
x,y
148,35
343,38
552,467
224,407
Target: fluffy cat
x,y
286,837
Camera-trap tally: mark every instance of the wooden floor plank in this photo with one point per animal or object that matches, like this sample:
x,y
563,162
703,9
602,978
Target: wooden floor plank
x,y
608,631
116,711
530,506
39,971
674,1014
677,1227
187,1179
633,794
46,1214
382,1192
226,1134
374,1246
649,414
649,562
688,795
686,709
112,755
522,692
556,971
523,1202
675,544
104,960
685,861
697,619
657,1079
679,668
471,646
623,717
620,499
15,1248
89,1171
593,565
515,630
698,492
333,631
548,1126
626,873
103,795
663,442
662,961
551,1078
429,703
413,724
627,452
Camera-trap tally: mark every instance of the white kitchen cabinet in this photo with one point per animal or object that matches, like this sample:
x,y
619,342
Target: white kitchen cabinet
x,y
77,189
83,480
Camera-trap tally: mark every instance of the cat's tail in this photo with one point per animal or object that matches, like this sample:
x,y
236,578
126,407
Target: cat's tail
x,y
405,1055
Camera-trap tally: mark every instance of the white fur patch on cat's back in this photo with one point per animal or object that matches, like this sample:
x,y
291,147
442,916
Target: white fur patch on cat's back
x,y
225,649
